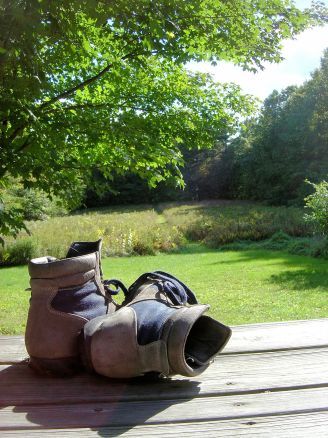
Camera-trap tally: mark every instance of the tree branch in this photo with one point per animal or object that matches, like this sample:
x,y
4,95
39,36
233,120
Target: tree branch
x,y
17,131
78,106
87,105
68,92
83,84
25,144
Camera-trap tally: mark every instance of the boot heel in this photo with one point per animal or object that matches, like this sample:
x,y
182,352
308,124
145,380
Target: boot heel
x,y
64,367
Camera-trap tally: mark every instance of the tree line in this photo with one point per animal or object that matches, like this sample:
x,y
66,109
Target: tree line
x,y
270,160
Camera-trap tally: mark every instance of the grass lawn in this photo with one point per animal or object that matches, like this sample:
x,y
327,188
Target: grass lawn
x,y
241,286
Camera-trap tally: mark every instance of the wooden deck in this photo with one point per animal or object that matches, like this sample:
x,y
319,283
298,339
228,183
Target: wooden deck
x,y
271,381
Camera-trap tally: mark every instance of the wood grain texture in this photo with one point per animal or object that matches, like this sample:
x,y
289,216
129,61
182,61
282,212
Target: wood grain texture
x,y
229,374
280,426
130,414
245,338
12,349
278,336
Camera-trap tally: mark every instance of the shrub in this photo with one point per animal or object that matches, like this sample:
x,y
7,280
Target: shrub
x,y
320,248
143,248
304,246
18,252
300,246
317,202
278,241
33,204
246,223
312,247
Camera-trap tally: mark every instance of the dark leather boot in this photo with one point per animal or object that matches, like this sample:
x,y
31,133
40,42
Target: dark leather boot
x,y
65,295
159,329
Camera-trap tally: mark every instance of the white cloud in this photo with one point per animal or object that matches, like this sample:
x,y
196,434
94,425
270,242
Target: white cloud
x,y
301,56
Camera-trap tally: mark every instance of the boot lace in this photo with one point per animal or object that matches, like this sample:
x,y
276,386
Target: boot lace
x,y
174,289
113,287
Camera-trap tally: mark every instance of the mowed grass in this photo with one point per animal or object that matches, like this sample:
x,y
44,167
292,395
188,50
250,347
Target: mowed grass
x,y
240,286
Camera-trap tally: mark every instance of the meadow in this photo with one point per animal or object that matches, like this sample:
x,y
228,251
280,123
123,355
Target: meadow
x,y
166,227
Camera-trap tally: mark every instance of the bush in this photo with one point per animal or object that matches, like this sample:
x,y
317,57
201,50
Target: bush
x,y
33,204
300,246
246,223
279,241
18,252
304,246
317,202
320,248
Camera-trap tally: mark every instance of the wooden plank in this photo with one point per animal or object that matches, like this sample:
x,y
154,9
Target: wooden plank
x,y
278,336
228,374
129,414
245,338
12,349
280,426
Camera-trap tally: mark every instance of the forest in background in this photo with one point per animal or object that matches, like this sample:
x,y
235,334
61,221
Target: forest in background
x,y
269,160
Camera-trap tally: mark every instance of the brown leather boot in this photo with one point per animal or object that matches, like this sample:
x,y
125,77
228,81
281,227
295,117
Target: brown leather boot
x,y
65,295
160,329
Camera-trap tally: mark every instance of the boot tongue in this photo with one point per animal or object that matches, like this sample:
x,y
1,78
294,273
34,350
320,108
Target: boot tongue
x,y
83,248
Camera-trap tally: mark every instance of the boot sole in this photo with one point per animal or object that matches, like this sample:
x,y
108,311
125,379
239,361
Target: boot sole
x,y
63,367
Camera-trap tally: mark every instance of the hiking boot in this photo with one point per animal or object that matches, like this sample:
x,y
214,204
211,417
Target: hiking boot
x,y
159,329
65,295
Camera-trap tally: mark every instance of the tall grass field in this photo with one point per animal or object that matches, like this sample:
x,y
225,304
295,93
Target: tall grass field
x,y
148,230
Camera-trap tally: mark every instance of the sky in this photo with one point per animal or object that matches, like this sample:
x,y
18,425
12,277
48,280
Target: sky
x,y
301,56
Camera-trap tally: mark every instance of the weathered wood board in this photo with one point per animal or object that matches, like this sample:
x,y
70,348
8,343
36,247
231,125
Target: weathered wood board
x,y
277,426
130,414
230,374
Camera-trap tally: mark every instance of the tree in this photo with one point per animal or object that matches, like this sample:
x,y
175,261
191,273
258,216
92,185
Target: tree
x,y
288,143
88,84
